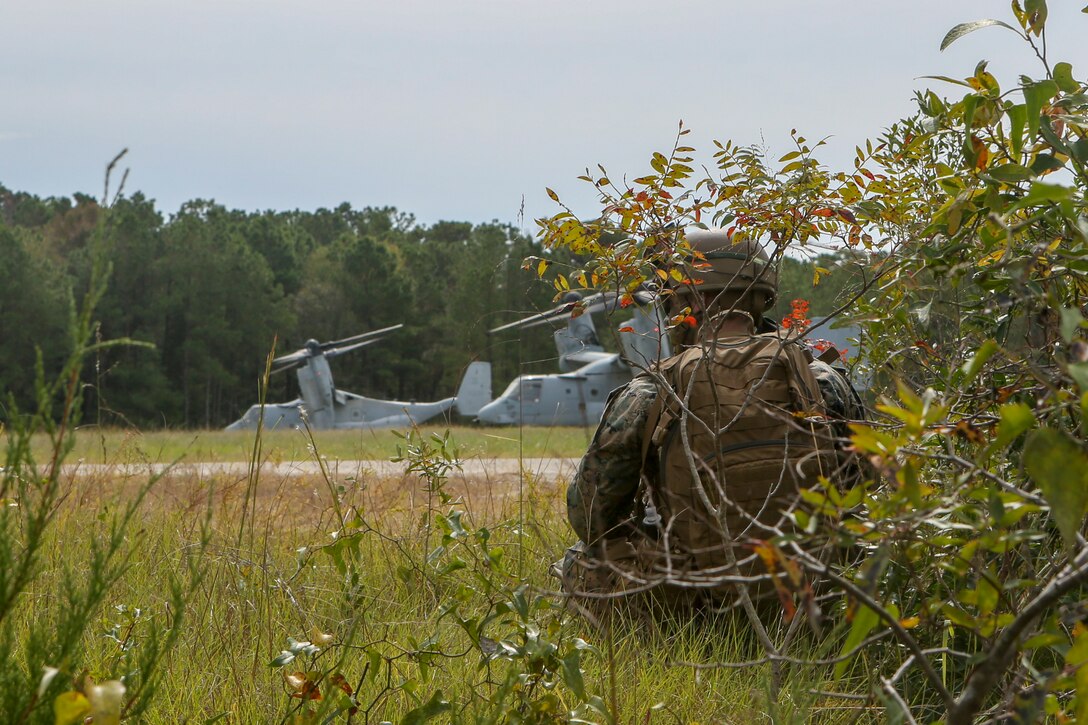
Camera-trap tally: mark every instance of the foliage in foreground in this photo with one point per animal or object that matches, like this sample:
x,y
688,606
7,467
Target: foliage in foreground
x,y
49,654
434,605
967,225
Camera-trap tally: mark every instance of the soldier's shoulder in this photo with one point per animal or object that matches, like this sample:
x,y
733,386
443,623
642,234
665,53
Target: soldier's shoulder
x,y
838,393
630,404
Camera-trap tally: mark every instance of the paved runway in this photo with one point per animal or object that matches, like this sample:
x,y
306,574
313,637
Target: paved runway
x,y
545,469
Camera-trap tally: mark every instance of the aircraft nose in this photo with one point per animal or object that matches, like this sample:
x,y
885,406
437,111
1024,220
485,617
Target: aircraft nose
x,y
493,413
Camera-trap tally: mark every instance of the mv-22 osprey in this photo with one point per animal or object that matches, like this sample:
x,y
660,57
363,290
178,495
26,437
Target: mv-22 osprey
x,y
577,395
326,407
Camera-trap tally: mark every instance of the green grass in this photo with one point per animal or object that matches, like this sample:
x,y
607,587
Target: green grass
x,y
112,445
267,579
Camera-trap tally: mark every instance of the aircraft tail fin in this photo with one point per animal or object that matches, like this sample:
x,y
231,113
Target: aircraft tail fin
x,y
475,390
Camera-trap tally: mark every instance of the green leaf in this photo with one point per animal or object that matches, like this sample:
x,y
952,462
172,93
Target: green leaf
x,y
1059,467
284,658
572,674
965,28
1079,150
1077,658
969,104
1045,163
1072,320
1010,173
1018,116
1063,76
864,621
1042,193
427,711
986,597
1035,95
1046,129
1079,373
973,366
1015,419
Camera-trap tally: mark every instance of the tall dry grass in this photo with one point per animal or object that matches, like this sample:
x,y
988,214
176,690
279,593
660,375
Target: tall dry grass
x,y
271,581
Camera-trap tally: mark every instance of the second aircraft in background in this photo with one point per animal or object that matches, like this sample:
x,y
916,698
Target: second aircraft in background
x,y
577,395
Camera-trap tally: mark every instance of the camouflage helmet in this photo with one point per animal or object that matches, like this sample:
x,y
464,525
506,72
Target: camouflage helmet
x,y
738,267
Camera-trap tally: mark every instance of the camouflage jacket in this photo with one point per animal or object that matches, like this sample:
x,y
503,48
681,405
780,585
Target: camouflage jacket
x,y
601,496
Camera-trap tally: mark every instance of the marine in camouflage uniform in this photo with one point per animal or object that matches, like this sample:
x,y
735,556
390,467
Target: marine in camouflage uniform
x,y
602,494
604,502
605,499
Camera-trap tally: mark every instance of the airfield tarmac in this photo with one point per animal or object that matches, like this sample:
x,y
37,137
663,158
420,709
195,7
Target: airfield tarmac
x,y
495,470
297,489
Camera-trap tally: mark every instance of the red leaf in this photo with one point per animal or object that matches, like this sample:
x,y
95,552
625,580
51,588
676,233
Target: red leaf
x,y
982,154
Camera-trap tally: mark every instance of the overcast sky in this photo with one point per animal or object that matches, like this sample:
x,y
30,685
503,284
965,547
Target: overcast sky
x,y
458,109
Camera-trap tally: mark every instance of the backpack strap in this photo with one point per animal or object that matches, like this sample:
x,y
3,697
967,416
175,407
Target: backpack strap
x,y
804,388
653,417
659,421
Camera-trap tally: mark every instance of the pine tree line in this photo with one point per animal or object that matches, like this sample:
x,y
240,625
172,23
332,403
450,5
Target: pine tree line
x,y
210,289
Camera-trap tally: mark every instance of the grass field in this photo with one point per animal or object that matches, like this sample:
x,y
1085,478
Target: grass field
x,y
414,583
95,445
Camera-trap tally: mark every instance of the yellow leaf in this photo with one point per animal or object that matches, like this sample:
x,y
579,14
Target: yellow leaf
x,y
70,708
542,267
909,622
321,638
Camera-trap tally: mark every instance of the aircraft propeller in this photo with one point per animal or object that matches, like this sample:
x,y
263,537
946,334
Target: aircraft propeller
x,y
329,349
594,303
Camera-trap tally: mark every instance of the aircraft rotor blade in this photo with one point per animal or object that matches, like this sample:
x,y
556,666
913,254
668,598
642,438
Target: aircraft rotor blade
x,y
538,319
356,338
591,304
289,360
290,364
348,348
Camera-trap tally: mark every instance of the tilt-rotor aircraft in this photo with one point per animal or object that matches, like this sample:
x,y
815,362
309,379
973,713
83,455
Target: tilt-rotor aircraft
x,y
325,407
577,395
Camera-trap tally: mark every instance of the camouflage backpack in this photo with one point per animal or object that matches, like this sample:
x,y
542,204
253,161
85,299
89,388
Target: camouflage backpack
x,y
756,432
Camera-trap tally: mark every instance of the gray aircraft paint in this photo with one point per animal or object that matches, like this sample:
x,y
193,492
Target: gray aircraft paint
x,y
325,407
577,395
